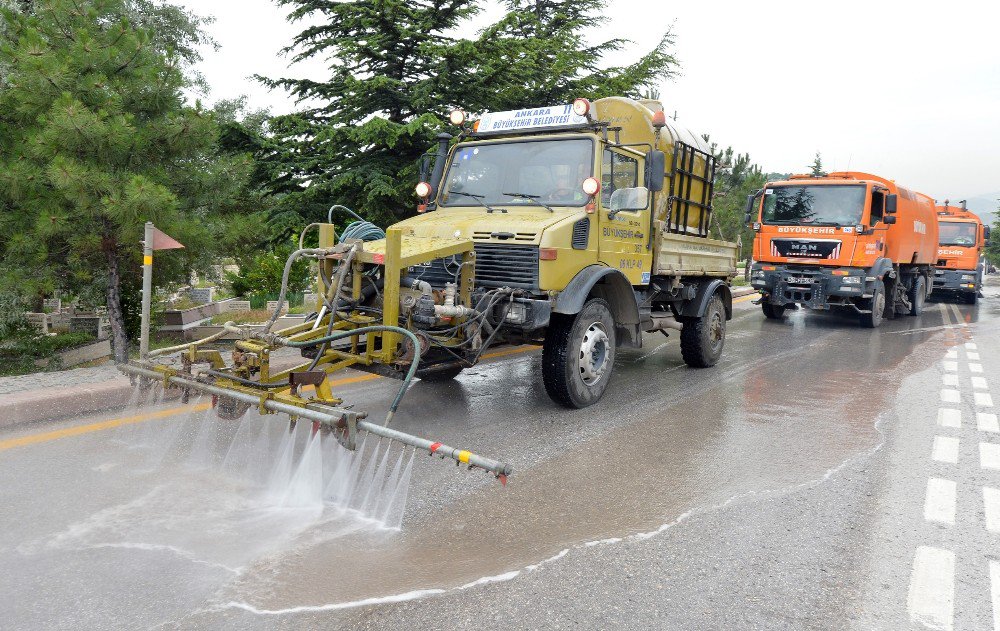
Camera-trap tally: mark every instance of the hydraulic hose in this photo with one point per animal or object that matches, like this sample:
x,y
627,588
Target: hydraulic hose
x,y
184,347
294,256
281,341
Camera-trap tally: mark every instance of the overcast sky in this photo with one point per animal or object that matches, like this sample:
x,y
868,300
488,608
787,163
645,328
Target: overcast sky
x,y
906,90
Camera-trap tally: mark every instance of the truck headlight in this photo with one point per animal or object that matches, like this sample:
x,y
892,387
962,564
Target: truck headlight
x,y
757,274
851,280
968,277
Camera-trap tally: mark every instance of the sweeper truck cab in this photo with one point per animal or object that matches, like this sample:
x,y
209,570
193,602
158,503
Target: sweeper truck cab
x,y
848,240
960,265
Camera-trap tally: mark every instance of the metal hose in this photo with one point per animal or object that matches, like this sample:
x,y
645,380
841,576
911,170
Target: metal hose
x,y
284,281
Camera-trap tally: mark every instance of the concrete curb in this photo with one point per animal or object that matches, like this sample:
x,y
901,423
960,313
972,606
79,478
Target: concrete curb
x,y
30,406
743,291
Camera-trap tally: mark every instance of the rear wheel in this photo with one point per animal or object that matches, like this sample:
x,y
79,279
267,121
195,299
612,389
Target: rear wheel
x,y
772,312
579,355
918,294
877,306
702,338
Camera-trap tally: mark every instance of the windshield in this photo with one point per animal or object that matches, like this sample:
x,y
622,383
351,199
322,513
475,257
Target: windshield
x,y
521,173
957,233
833,205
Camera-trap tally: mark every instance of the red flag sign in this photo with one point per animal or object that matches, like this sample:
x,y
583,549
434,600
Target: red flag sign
x,y
163,241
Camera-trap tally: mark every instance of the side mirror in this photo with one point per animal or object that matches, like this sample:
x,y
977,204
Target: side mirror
x,y
748,209
889,219
986,233
890,205
656,166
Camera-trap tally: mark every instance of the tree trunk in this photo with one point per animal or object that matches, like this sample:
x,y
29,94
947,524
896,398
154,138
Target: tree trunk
x,y
119,340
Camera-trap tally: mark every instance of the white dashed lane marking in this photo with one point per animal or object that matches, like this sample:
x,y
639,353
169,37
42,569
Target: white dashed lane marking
x,y
987,422
991,506
995,592
979,383
932,588
951,396
952,354
945,449
970,345
989,456
949,379
972,356
939,505
976,367
948,417
950,366
983,399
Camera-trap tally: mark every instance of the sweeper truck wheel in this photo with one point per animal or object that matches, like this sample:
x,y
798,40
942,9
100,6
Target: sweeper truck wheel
x,y
579,355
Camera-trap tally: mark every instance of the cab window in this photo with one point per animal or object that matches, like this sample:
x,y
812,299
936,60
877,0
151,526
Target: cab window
x,y
878,206
618,171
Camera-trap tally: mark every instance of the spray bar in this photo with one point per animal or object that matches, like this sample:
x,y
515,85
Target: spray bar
x,y
331,417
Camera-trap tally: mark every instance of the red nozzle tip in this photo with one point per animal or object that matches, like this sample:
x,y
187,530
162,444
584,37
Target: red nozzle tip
x,y
503,479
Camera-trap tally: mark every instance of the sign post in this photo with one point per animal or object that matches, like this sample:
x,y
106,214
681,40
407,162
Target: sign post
x,y
147,289
153,239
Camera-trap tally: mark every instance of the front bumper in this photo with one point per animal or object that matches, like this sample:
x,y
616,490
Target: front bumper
x,y
952,280
812,286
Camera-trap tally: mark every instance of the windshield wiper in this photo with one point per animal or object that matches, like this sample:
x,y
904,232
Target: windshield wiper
x,y
535,198
478,198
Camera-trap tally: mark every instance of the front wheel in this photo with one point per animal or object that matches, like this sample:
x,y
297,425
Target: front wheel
x,y
772,312
972,298
579,354
702,338
877,305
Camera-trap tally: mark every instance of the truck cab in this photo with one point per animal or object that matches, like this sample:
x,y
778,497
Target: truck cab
x,y
845,240
588,224
960,266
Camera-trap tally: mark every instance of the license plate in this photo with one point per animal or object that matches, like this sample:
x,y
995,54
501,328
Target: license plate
x,y
799,280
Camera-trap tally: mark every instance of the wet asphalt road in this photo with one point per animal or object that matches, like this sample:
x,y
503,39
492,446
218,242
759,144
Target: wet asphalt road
x,y
810,480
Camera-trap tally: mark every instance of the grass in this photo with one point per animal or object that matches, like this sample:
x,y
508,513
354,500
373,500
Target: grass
x,y
19,352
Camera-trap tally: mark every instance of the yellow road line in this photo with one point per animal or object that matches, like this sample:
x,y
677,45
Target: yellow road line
x,y
511,351
745,298
97,427
44,437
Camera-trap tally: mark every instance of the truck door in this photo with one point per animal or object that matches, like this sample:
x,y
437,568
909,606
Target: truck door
x,y
624,216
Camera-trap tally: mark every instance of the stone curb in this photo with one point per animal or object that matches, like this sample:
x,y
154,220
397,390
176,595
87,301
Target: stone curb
x,y
30,406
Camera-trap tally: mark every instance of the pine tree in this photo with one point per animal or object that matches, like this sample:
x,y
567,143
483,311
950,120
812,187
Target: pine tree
x,y
96,139
395,73
816,170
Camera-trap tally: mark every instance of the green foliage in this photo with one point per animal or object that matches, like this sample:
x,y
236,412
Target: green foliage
x,y
992,251
397,69
19,352
96,139
736,177
261,272
816,170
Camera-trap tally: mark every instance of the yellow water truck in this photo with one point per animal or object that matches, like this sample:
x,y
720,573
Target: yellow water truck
x,y
577,227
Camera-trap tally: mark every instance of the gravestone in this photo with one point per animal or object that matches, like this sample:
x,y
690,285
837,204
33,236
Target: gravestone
x,y
237,305
87,324
54,305
39,320
273,304
309,301
202,295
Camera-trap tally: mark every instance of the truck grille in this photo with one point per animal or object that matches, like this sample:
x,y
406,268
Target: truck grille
x,y
581,234
497,265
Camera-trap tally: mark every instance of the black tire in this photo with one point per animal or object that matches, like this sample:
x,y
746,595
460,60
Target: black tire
x,y
442,374
702,339
877,306
972,298
918,295
579,354
772,312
